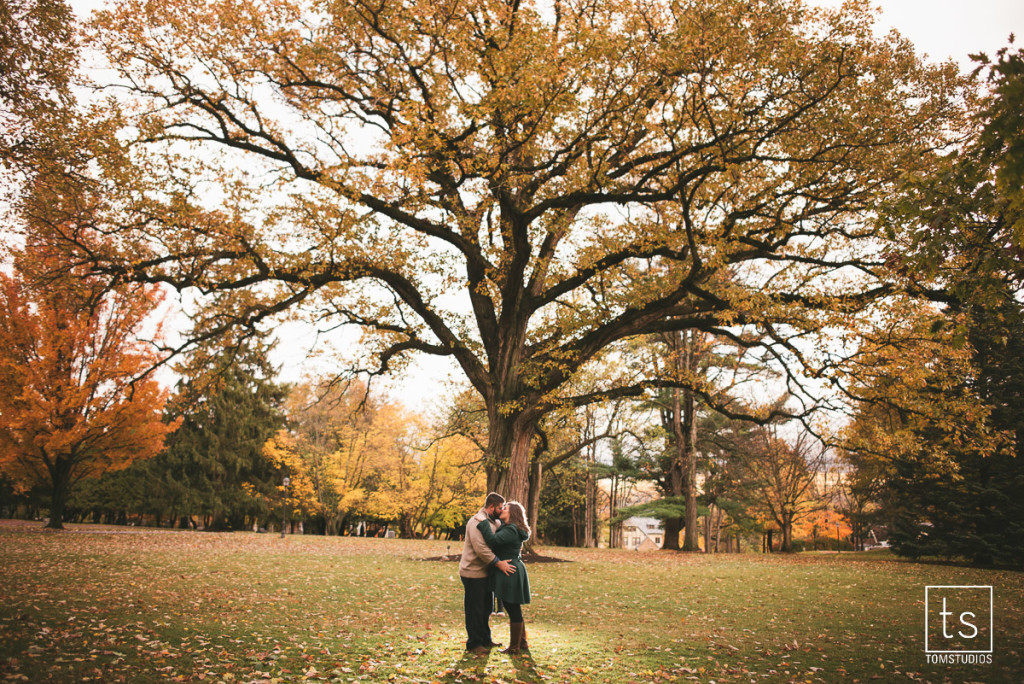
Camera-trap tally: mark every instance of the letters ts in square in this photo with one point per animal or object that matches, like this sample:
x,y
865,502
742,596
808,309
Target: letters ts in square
x,y
958,619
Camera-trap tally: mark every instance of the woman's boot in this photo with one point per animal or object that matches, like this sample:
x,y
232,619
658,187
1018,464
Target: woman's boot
x,y
523,646
516,629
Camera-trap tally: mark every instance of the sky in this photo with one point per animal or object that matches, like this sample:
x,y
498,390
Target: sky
x,y
944,29
940,29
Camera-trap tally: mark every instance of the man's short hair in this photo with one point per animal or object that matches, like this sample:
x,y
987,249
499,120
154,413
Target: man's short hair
x,y
493,499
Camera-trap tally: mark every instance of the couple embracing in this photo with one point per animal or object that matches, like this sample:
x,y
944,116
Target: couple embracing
x,y
491,564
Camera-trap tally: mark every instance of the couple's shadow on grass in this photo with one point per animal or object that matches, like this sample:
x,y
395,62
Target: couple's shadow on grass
x,y
525,665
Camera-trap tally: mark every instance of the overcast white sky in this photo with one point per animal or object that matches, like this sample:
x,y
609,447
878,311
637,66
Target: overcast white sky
x,y
941,29
951,28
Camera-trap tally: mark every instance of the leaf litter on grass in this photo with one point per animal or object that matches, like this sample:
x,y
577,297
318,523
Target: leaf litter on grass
x,y
191,606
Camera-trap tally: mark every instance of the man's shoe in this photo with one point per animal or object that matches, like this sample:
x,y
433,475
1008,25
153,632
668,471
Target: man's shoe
x,y
494,644
479,650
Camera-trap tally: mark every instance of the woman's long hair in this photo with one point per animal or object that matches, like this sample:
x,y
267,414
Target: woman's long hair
x,y
517,516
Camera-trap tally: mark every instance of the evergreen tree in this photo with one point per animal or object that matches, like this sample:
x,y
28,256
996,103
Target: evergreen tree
x,y
229,409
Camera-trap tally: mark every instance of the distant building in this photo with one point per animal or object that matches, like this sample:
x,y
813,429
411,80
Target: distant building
x,y
642,534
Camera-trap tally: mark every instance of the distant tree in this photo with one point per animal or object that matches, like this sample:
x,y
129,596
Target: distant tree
x,y
782,476
362,456
621,474
354,444
730,498
708,369
453,483
572,437
116,497
299,497
308,450
685,355
856,493
727,500
564,505
72,402
569,450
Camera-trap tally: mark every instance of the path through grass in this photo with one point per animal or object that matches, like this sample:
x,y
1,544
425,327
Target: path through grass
x,y
110,604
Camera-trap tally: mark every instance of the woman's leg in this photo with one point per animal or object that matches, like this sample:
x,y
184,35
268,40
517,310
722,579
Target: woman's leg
x,y
517,616
514,611
515,627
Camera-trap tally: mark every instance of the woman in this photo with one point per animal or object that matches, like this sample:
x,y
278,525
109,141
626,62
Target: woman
x,y
514,589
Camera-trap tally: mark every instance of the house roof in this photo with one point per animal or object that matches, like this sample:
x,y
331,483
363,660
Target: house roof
x,y
646,525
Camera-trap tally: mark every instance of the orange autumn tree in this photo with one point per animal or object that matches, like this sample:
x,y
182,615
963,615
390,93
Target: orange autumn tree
x,y
71,402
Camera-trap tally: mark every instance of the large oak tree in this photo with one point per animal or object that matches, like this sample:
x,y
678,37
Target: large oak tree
x,y
518,187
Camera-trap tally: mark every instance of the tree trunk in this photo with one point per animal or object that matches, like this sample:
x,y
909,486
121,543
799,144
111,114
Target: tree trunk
x,y
612,510
405,527
675,473
683,428
690,542
575,526
718,527
533,505
787,534
589,525
508,449
672,528
56,512
60,481
517,485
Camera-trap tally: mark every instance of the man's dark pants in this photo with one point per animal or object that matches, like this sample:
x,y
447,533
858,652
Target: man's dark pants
x,y
477,605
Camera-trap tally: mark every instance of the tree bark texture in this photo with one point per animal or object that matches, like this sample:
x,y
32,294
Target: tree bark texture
x,y
690,542
60,477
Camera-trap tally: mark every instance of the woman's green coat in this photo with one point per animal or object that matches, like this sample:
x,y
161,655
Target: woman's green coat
x,y
507,543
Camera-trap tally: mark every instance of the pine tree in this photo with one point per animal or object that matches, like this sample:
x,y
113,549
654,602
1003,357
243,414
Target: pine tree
x,y
229,409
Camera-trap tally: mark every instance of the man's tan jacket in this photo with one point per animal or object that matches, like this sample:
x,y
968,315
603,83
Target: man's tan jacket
x,y
476,555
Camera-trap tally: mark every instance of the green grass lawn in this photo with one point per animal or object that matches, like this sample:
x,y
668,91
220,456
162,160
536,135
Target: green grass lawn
x,y
113,604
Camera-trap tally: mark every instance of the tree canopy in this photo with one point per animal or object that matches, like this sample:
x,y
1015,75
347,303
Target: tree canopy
x,y
516,186
938,436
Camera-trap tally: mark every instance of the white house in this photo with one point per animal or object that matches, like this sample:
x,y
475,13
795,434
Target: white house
x,y
642,534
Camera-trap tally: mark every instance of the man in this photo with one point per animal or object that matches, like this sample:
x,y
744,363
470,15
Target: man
x,y
477,559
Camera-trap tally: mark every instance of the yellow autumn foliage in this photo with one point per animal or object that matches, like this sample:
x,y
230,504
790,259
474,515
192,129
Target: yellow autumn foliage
x,y
353,457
